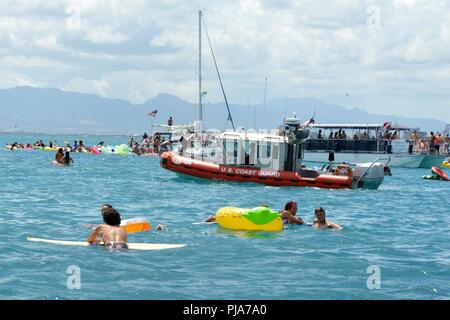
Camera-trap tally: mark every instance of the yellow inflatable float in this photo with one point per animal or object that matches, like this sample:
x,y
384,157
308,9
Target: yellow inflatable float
x,y
445,164
256,219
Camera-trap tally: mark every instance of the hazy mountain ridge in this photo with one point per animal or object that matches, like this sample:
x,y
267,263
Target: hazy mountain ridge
x,y
57,111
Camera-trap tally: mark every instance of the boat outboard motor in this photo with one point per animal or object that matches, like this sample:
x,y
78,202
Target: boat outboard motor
x,y
329,166
331,156
302,134
292,127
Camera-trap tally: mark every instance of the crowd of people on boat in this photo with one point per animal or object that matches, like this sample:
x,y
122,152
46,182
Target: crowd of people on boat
x,y
153,145
433,143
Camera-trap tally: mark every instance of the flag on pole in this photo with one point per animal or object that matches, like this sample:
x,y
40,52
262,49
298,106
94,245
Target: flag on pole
x,y
387,125
153,113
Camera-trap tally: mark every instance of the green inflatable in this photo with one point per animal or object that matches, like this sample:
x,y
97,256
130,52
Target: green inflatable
x,y
261,215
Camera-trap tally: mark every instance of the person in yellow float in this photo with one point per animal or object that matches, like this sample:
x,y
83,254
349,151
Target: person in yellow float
x,y
288,215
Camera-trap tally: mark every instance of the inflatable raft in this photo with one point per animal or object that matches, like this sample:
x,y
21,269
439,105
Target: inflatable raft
x,y
256,219
437,174
445,164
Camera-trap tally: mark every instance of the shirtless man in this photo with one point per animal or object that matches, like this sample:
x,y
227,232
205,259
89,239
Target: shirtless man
x,y
288,215
321,223
111,233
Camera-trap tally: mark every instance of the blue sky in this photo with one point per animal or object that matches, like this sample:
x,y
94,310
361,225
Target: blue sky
x,y
389,57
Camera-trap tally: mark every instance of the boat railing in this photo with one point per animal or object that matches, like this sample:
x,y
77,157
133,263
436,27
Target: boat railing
x,y
354,146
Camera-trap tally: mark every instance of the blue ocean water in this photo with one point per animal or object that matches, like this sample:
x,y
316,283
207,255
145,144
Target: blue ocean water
x,y
402,229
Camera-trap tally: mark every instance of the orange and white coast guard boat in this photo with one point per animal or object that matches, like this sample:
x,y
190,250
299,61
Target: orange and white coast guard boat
x,y
270,159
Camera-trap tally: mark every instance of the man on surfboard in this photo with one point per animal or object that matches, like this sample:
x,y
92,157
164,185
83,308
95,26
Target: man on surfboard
x,y
111,233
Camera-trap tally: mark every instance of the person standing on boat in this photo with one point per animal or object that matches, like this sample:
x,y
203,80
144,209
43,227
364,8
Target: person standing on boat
x,y
289,214
446,144
437,143
319,136
136,149
415,140
156,143
170,122
321,223
431,142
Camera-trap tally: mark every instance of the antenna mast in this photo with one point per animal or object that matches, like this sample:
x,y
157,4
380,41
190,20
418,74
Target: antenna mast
x,y
265,94
200,107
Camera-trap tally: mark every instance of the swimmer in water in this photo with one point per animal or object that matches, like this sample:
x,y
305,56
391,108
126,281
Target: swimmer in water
x,y
289,214
111,233
66,160
321,223
106,206
59,156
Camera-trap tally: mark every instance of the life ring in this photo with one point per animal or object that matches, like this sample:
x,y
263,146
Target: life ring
x,y
441,174
256,219
343,170
136,225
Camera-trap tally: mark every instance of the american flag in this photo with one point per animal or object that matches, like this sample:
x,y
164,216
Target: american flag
x,y
153,113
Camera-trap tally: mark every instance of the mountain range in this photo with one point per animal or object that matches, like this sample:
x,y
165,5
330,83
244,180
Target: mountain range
x,y
56,111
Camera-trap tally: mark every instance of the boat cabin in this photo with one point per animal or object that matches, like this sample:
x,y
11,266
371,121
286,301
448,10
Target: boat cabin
x,y
278,150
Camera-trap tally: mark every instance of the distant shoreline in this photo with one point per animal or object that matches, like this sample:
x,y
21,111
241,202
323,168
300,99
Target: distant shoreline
x,y
71,134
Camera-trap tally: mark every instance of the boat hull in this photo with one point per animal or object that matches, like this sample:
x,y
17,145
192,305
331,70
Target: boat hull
x,y
200,169
425,161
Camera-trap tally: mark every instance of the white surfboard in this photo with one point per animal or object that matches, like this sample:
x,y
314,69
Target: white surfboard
x,y
132,246
204,222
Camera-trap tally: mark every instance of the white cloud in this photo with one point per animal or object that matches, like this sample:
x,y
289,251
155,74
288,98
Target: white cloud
x,y
48,42
105,36
310,47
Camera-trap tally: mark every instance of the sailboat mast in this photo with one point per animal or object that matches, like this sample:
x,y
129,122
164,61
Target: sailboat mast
x,y
265,95
200,107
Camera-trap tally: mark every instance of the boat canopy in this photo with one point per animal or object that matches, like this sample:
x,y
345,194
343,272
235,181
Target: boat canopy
x,y
359,126
195,125
252,136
